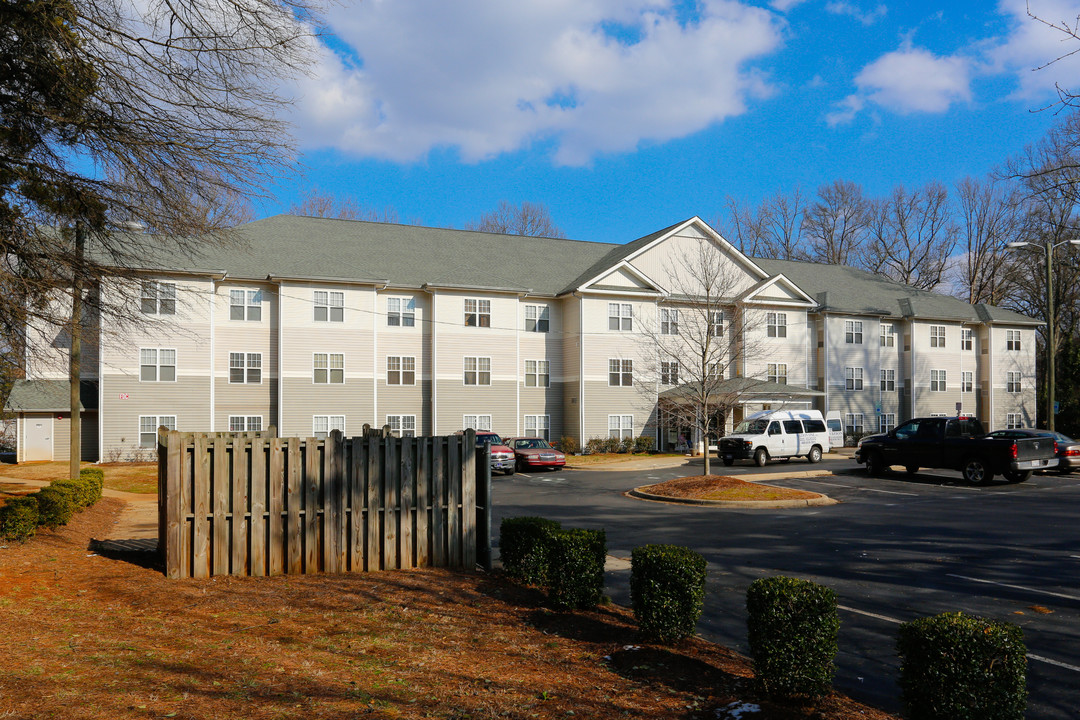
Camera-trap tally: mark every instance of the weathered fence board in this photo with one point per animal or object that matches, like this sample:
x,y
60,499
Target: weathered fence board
x,y
256,505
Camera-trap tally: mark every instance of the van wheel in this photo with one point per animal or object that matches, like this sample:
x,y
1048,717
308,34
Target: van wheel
x,y
728,460
976,472
814,456
761,457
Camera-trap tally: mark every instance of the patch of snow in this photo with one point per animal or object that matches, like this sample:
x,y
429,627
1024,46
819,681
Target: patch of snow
x,y
736,710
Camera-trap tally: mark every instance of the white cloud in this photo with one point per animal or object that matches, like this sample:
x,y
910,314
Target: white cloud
x,y
785,5
840,7
1031,44
489,76
908,80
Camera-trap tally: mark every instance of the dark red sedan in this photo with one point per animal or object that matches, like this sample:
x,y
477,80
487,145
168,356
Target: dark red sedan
x,y
534,452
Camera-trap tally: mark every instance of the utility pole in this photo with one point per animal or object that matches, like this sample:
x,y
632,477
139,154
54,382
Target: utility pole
x,y
75,367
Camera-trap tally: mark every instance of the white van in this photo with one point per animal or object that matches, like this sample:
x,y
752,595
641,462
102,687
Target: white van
x,y
777,434
835,423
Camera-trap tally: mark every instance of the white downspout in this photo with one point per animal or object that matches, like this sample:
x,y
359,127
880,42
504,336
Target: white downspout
x,y
213,364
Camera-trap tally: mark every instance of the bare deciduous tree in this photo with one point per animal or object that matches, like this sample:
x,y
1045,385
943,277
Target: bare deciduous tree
x,y
770,231
988,218
911,236
531,219
836,224
315,203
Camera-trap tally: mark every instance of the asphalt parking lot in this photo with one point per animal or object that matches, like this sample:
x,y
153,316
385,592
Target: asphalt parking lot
x,y
895,548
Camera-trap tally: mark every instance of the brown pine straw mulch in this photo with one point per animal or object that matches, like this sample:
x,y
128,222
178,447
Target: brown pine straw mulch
x,y
92,637
724,487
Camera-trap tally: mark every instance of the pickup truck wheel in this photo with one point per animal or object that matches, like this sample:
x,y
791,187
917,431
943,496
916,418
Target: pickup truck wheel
x,y
814,456
761,457
976,473
1017,476
728,460
875,464
508,471
912,469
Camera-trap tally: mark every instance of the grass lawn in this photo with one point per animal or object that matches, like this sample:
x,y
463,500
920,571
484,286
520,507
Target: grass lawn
x,y
605,458
128,477
98,638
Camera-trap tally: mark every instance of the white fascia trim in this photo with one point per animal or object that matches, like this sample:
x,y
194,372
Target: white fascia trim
x,y
783,280
624,293
624,265
715,236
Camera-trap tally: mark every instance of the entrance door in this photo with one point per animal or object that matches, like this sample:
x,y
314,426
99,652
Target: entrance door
x,y
38,440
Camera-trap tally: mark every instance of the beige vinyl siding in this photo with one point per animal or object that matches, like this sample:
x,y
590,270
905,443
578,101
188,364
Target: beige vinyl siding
x,y
602,345
1006,361
48,352
760,349
403,341
665,260
244,336
124,399
571,353
542,346
353,400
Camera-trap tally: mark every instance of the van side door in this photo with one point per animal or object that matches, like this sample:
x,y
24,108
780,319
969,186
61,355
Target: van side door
x,y
774,439
794,442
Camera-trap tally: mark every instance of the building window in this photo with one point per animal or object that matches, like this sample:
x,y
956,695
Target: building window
x,y
1012,339
537,318
966,339
967,382
854,379
888,380
328,368
1012,383
477,312
853,332
245,423
477,422
245,368
538,426
888,335
716,323
537,373
937,381
148,425
323,425
620,372
245,305
620,317
714,370
158,298
886,422
401,312
937,336
329,306
853,424
669,321
477,371
1014,421
620,426
776,324
400,370
669,372
157,365
777,373
402,425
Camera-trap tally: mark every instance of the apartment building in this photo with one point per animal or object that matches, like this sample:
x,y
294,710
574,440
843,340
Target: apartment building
x,y
317,324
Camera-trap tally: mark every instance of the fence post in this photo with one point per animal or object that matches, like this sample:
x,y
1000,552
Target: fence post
x,y
483,506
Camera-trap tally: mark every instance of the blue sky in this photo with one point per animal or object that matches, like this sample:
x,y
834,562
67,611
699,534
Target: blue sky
x,y
624,116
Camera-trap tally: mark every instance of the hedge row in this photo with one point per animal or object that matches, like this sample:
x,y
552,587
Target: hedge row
x,y
51,506
953,666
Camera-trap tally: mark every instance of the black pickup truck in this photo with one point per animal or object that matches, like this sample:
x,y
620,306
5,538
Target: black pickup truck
x,y
956,444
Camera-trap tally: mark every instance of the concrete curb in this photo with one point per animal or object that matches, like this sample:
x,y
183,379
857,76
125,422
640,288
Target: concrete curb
x,y
820,501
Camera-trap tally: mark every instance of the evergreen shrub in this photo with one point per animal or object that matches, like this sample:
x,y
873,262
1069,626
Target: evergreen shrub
x,y
575,577
524,547
19,518
55,507
667,589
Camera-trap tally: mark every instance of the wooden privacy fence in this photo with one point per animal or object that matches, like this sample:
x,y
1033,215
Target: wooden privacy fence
x,y
237,504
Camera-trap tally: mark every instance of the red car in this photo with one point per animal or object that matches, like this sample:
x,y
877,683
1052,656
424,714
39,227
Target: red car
x,y
534,452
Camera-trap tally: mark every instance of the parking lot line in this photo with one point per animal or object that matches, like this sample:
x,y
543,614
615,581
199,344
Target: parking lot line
x,y
1015,587
855,487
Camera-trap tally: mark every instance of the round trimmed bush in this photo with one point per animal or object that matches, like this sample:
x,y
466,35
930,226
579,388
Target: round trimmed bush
x,y
962,667
81,490
667,588
19,518
96,478
575,577
792,629
55,507
524,547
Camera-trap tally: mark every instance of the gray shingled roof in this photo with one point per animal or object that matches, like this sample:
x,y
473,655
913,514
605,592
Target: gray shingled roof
x,y
49,396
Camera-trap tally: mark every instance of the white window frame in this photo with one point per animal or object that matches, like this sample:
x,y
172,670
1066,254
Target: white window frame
x,y
886,422
853,332
247,302
148,437
937,336
157,358
888,335
403,425
669,321
620,317
1012,340
400,370
477,422
967,339
157,298
669,372
477,312
323,425
853,378
776,324
245,423
480,370
537,318
620,426
777,373
1014,380
854,424
938,381
401,312
250,367
967,381
537,373
330,367
620,372
1014,421
716,323
329,305
888,380
538,426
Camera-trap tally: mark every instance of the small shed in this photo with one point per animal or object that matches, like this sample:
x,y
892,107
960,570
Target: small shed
x,y
42,410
